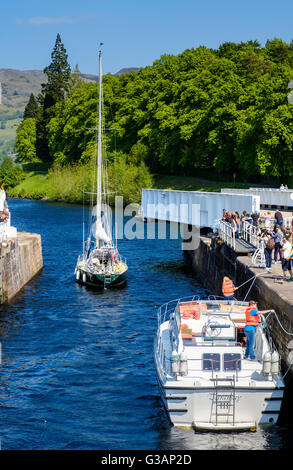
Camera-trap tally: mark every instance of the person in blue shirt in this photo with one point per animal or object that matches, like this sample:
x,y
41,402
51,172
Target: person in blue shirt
x,y
252,317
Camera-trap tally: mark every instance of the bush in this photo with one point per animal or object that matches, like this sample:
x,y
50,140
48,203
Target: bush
x,y
10,174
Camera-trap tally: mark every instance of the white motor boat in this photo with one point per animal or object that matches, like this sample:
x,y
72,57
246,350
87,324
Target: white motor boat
x,y
204,380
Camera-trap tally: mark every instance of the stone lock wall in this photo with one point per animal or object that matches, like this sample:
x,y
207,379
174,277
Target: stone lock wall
x,y
212,260
20,260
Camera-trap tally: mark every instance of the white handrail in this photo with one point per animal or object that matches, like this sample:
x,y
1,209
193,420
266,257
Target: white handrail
x,y
250,233
168,308
227,233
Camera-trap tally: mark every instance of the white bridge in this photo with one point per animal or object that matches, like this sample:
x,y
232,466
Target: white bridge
x,y
269,197
205,209
201,209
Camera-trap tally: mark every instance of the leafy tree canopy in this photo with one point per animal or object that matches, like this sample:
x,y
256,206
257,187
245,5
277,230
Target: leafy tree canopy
x,y
219,111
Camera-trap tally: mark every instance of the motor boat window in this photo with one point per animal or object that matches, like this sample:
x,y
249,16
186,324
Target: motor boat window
x,y
211,361
232,361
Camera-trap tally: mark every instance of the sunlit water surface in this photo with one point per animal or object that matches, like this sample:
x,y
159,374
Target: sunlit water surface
x,y
77,364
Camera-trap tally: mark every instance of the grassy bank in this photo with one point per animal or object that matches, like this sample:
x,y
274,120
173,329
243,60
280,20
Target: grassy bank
x,y
64,185
67,185
73,184
35,186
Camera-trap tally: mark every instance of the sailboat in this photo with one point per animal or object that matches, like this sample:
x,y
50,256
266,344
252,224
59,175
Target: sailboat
x,y
100,264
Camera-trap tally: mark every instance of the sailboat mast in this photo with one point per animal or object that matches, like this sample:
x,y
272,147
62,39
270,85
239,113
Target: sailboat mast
x,y
99,166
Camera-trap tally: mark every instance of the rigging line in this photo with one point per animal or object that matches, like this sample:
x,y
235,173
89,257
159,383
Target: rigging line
x,y
286,372
250,279
285,331
249,288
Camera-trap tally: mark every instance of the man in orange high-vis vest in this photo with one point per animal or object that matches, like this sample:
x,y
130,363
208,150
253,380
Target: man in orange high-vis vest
x,y
228,288
252,320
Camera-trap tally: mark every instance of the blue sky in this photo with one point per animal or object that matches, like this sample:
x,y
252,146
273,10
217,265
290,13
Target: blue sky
x,y
135,33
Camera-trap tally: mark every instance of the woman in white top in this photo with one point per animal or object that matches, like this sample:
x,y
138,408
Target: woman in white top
x,y
286,262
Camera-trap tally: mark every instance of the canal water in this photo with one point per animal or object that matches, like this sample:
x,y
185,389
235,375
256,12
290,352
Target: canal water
x,y
77,364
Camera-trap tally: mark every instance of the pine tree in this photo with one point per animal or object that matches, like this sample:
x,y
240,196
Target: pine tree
x,y
32,109
75,81
58,75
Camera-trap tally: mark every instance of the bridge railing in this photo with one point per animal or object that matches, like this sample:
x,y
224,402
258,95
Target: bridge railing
x,y
250,233
227,233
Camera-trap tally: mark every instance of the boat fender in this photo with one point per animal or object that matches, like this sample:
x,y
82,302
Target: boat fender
x,y
267,363
174,359
84,277
275,363
183,370
77,275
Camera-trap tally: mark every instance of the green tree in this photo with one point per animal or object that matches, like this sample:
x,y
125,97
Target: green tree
x,y
75,81
204,111
10,174
25,143
32,108
58,76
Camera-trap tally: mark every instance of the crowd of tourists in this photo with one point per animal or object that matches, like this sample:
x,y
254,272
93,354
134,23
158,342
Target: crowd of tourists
x,y
276,239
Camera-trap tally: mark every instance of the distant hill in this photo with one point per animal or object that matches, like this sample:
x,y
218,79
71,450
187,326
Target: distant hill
x,y
127,70
17,85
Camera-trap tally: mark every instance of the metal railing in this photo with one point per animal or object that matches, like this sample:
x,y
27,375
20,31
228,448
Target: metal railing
x,y
165,310
227,233
250,233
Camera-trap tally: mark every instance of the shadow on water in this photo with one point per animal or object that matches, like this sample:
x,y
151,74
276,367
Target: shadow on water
x,y
77,363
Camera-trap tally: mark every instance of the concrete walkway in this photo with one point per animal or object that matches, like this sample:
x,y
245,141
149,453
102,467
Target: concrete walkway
x,y
274,279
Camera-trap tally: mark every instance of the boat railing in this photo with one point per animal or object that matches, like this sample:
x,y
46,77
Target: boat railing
x,y
168,308
165,310
81,258
215,297
121,259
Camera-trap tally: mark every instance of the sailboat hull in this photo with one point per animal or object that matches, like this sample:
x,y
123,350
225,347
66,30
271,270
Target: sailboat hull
x,y
100,280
